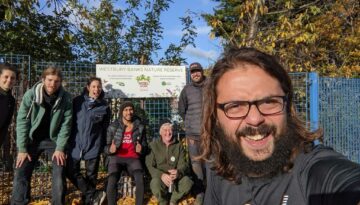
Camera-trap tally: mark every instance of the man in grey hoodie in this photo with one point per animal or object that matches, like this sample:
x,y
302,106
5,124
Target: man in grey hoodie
x,y
190,110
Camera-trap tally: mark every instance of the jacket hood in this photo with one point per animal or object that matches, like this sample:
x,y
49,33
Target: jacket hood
x,y
38,93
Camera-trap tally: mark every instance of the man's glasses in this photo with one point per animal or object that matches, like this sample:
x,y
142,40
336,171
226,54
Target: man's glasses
x,y
267,106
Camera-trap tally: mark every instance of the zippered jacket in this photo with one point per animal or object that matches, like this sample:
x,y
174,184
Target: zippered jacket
x,y
90,122
190,108
320,177
116,132
31,112
162,158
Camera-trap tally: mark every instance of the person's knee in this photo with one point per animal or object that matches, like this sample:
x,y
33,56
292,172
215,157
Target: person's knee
x,y
155,185
185,183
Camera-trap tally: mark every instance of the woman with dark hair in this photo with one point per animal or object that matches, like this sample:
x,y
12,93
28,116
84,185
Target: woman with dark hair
x,y
91,116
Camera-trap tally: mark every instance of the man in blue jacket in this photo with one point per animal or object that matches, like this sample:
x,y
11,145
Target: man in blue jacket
x,y
91,116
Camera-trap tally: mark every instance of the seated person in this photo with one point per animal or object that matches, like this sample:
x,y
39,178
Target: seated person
x,y
168,167
126,143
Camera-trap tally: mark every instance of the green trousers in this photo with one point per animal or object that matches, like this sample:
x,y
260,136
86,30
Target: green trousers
x,y
160,190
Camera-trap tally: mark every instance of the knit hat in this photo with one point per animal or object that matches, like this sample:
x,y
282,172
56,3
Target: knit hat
x,y
124,105
196,66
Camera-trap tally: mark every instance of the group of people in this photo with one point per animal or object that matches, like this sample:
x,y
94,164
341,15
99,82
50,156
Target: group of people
x,y
246,144
74,130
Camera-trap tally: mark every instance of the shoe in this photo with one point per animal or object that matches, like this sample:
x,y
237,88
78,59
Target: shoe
x,y
99,198
199,199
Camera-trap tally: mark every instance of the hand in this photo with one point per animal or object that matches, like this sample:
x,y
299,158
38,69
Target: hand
x,y
173,174
112,147
138,147
20,159
60,157
166,179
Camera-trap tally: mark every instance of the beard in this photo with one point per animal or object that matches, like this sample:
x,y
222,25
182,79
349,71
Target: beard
x,y
233,153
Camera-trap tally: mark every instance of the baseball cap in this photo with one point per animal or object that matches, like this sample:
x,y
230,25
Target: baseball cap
x,y
196,66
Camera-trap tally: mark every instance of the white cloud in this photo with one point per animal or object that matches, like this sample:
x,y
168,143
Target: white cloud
x,y
201,30
205,2
197,52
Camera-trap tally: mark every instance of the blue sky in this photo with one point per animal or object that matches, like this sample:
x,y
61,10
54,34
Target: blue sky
x,y
207,50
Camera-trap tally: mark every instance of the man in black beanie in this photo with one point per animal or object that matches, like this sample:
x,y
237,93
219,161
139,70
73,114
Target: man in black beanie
x,y
126,144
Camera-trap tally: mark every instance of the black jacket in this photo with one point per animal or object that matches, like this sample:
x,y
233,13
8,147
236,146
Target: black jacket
x,y
7,106
190,108
322,176
116,132
90,122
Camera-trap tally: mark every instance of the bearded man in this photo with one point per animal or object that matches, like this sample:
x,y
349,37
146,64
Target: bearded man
x,y
257,150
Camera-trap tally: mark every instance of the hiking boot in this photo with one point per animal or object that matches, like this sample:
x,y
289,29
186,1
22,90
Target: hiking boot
x,y
98,198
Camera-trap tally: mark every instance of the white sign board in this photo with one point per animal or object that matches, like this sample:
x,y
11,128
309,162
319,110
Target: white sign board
x,y
141,81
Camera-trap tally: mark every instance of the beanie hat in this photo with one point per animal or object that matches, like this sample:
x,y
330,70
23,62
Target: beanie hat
x,y
124,105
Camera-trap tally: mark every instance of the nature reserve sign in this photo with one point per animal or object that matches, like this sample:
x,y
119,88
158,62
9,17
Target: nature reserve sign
x,y
141,81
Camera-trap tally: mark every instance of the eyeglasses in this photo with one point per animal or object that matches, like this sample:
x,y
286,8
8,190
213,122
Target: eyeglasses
x,y
267,106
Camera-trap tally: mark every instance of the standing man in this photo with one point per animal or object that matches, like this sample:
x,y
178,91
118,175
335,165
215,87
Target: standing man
x,y
126,144
168,167
43,124
8,75
91,117
190,110
258,150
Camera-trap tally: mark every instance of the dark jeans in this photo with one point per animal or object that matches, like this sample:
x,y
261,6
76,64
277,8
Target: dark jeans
x,y
197,166
86,184
115,167
22,178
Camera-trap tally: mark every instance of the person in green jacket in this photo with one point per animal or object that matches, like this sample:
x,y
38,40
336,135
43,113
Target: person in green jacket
x,y
43,124
168,168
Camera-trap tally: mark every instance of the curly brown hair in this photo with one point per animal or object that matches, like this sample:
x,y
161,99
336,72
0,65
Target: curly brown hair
x,y
211,149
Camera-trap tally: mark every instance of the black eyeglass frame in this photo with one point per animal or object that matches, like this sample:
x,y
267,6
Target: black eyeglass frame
x,y
250,103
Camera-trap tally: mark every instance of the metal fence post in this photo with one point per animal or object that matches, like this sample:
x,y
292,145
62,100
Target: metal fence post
x,y
314,101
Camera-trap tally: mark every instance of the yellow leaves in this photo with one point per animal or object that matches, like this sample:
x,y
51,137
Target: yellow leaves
x,y
212,35
289,4
215,23
39,203
263,9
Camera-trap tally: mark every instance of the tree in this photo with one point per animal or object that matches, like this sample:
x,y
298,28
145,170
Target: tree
x,y
41,36
308,35
173,52
115,35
